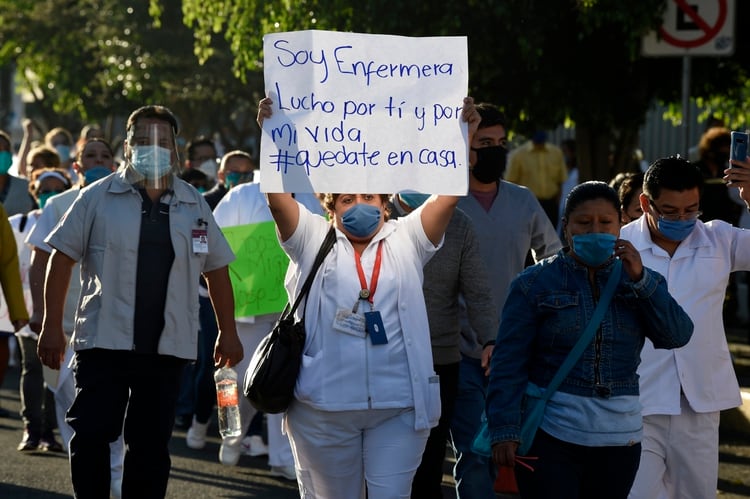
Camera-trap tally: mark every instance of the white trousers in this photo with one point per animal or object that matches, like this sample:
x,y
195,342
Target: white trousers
x,y
338,453
279,450
679,456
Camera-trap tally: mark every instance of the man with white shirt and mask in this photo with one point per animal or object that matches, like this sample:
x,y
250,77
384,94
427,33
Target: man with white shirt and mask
x,y
683,390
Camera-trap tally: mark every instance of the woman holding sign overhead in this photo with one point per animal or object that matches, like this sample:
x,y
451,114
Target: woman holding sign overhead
x,y
367,395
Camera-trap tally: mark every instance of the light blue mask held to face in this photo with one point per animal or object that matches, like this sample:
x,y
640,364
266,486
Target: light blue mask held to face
x,y
675,230
594,248
6,160
153,162
361,220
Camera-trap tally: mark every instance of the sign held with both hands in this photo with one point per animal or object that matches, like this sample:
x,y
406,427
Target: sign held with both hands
x,y
364,113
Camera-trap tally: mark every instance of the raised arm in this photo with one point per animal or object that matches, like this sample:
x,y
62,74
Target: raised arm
x,y
285,212
739,176
284,208
438,210
23,151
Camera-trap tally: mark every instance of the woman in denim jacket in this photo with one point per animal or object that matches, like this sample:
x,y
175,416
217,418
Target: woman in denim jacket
x,y
588,444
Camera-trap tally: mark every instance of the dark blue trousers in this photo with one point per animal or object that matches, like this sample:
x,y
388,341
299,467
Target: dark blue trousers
x,y
569,471
122,391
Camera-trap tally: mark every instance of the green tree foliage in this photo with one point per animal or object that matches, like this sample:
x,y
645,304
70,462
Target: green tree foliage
x,y
93,60
545,62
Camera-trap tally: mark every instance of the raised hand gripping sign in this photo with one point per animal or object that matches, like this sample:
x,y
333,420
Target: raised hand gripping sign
x,y
364,113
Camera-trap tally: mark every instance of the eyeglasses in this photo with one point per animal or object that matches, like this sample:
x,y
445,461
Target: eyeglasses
x,y
674,217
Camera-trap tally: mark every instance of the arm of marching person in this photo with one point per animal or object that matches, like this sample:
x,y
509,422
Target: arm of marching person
x,y
37,269
284,208
509,372
481,309
739,176
52,341
438,210
228,348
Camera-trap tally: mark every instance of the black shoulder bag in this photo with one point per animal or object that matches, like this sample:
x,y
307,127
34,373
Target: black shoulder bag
x,y
272,374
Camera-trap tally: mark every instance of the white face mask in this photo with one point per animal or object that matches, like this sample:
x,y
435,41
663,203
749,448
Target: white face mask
x,y
209,167
151,161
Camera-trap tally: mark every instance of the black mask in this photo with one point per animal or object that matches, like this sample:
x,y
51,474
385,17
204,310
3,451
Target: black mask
x,y
490,163
722,160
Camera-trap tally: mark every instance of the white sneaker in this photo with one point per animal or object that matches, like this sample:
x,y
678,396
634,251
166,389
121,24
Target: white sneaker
x,y
196,435
229,455
286,472
254,446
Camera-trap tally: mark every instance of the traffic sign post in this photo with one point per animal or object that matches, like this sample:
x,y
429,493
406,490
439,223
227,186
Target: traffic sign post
x,y
692,28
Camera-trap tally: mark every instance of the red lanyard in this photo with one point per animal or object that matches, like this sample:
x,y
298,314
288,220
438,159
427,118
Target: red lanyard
x,y
364,292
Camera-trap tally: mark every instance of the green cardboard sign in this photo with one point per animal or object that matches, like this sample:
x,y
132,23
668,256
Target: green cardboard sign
x,y
258,272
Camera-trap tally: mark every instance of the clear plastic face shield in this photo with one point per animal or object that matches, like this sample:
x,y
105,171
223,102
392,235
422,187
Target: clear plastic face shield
x,y
152,157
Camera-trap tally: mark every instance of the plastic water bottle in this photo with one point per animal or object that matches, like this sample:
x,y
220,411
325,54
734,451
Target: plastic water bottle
x,y
227,398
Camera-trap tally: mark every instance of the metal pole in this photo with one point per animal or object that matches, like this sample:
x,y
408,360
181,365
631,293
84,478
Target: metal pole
x,y
686,118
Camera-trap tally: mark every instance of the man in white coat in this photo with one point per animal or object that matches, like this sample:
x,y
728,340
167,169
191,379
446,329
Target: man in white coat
x,y
683,390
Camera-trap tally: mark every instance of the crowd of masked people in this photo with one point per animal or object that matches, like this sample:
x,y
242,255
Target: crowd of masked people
x,y
511,274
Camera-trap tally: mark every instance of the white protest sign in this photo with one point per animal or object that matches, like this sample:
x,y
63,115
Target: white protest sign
x,y
364,113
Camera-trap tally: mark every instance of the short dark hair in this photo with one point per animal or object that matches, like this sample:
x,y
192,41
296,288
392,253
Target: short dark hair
x,y
491,115
193,174
586,191
674,173
629,187
200,140
153,111
238,154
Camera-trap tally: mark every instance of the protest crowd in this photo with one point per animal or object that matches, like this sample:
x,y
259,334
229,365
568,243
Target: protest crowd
x,y
434,321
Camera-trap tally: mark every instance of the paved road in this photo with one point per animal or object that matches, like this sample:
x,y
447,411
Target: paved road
x,y
198,473
195,473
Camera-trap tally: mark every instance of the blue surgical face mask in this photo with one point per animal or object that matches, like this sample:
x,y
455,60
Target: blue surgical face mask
x,y
413,199
95,173
232,179
675,230
594,248
6,160
361,220
153,162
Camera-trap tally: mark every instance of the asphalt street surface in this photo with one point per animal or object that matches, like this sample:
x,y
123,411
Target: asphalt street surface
x,y
195,473
198,473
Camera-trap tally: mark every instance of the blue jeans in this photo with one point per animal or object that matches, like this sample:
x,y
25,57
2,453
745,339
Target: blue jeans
x,y
474,474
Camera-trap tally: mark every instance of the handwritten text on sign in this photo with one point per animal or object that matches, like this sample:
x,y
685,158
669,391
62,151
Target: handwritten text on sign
x,y
364,113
